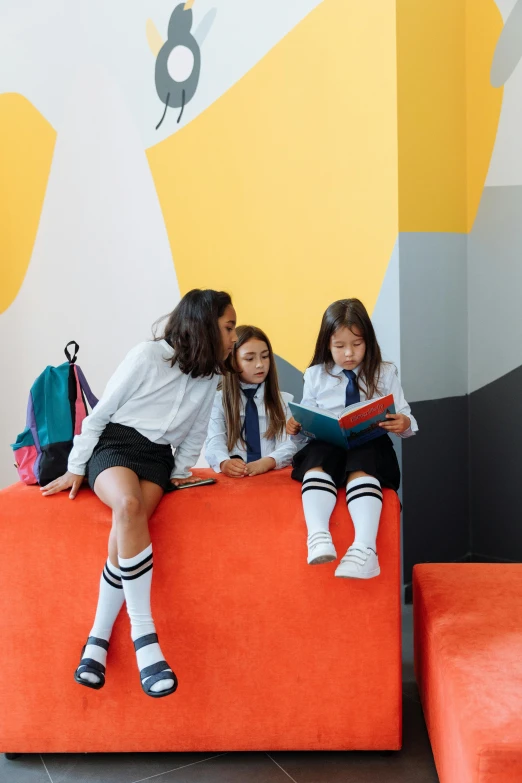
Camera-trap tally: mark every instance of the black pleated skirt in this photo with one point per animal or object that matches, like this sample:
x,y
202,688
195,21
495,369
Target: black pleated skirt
x,y
125,447
376,458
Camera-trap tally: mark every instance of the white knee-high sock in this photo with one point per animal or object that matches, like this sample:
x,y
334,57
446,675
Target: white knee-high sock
x,y
319,495
110,600
364,499
136,574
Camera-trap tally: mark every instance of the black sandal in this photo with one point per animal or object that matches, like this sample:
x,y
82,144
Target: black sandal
x,y
89,665
156,672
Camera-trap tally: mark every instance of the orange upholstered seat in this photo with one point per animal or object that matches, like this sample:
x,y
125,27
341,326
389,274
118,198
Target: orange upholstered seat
x,y
468,663
270,653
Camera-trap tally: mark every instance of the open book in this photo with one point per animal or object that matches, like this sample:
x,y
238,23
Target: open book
x,y
357,424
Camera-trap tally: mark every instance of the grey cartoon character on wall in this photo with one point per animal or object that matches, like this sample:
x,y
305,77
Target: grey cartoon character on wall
x,y
178,59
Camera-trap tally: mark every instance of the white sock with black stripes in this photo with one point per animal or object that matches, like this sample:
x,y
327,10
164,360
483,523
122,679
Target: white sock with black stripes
x,y
364,499
110,601
136,574
319,495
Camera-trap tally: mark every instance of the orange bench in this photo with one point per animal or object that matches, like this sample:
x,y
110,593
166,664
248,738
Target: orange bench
x,y
468,664
270,653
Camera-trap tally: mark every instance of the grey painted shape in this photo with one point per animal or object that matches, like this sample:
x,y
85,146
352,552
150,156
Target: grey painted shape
x,y
433,296
436,485
509,48
495,286
203,28
290,378
496,468
505,7
386,313
171,92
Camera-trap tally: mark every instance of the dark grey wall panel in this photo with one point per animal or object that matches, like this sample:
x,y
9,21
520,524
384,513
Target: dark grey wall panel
x,y
496,468
435,467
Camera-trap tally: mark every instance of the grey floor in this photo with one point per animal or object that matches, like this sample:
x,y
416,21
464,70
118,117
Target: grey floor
x,y
414,764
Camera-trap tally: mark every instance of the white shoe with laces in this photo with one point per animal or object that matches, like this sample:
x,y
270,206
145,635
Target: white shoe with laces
x,y
321,548
360,562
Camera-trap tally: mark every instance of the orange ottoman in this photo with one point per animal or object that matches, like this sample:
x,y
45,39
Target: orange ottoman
x,y
468,664
270,653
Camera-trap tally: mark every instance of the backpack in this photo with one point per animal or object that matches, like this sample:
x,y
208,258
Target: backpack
x,y
55,411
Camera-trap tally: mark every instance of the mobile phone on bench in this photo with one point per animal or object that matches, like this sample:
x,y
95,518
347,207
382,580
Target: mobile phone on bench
x,y
198,483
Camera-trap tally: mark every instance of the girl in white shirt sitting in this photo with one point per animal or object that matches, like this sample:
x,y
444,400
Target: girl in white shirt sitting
x,y
247,432
159,397
347,368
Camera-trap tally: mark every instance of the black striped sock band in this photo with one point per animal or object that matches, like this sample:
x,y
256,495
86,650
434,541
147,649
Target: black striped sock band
x,y
373,490
135,571
320,484
111,578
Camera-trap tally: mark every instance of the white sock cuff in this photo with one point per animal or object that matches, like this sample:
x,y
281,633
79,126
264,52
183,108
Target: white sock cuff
x,y
364,486
133,567
112,575
125,562
318,481
363,480
112,568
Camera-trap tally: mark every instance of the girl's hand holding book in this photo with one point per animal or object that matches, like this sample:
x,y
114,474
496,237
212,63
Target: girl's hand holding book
x,y
396,422
292,426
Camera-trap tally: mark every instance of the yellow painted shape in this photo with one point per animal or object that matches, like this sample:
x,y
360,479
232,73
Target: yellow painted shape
x,y
447,110
285,190
26,150
483,27
154,38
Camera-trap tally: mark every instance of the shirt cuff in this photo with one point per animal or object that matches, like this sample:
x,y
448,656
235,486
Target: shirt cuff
x,y
408,433
180,474
278,461
78,470
215,460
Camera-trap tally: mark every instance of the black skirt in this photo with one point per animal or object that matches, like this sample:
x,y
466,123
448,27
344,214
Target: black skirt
x,y
376,458
125,447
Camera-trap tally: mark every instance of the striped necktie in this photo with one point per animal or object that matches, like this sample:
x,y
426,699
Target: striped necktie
x,y
251,426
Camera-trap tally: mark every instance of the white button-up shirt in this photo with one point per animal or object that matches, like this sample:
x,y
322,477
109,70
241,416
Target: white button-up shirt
x,y
327,390
281,449
156,399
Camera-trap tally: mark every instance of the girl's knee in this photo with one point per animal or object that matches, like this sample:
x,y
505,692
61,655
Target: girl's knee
x,y
359,474
128,509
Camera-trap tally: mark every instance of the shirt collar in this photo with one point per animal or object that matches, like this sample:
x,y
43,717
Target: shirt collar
x,y
336,370
251,385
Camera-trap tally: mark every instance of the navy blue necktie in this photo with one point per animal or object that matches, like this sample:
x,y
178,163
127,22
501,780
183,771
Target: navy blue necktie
x,y
252,436
352,390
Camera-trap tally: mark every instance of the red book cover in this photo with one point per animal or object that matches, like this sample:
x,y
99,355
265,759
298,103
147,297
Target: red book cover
x,y
375,408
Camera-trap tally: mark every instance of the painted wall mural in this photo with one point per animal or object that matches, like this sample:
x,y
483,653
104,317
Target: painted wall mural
x,y
291,153
197,144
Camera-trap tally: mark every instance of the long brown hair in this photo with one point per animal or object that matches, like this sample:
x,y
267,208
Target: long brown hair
x,y
349,313
192,331
232,392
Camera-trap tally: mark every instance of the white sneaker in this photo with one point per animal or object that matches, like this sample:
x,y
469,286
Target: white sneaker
x,y
321,548
360,562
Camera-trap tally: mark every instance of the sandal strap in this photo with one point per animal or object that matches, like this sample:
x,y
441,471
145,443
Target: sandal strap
x,y
155,668
166,675
98,642
90,663
143,641
88,670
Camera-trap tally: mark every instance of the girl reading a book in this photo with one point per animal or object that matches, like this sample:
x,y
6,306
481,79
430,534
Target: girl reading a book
x,y
347,368
160,397
247,432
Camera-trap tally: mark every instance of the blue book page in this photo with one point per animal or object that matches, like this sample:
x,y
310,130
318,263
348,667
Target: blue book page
x,y
318,424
